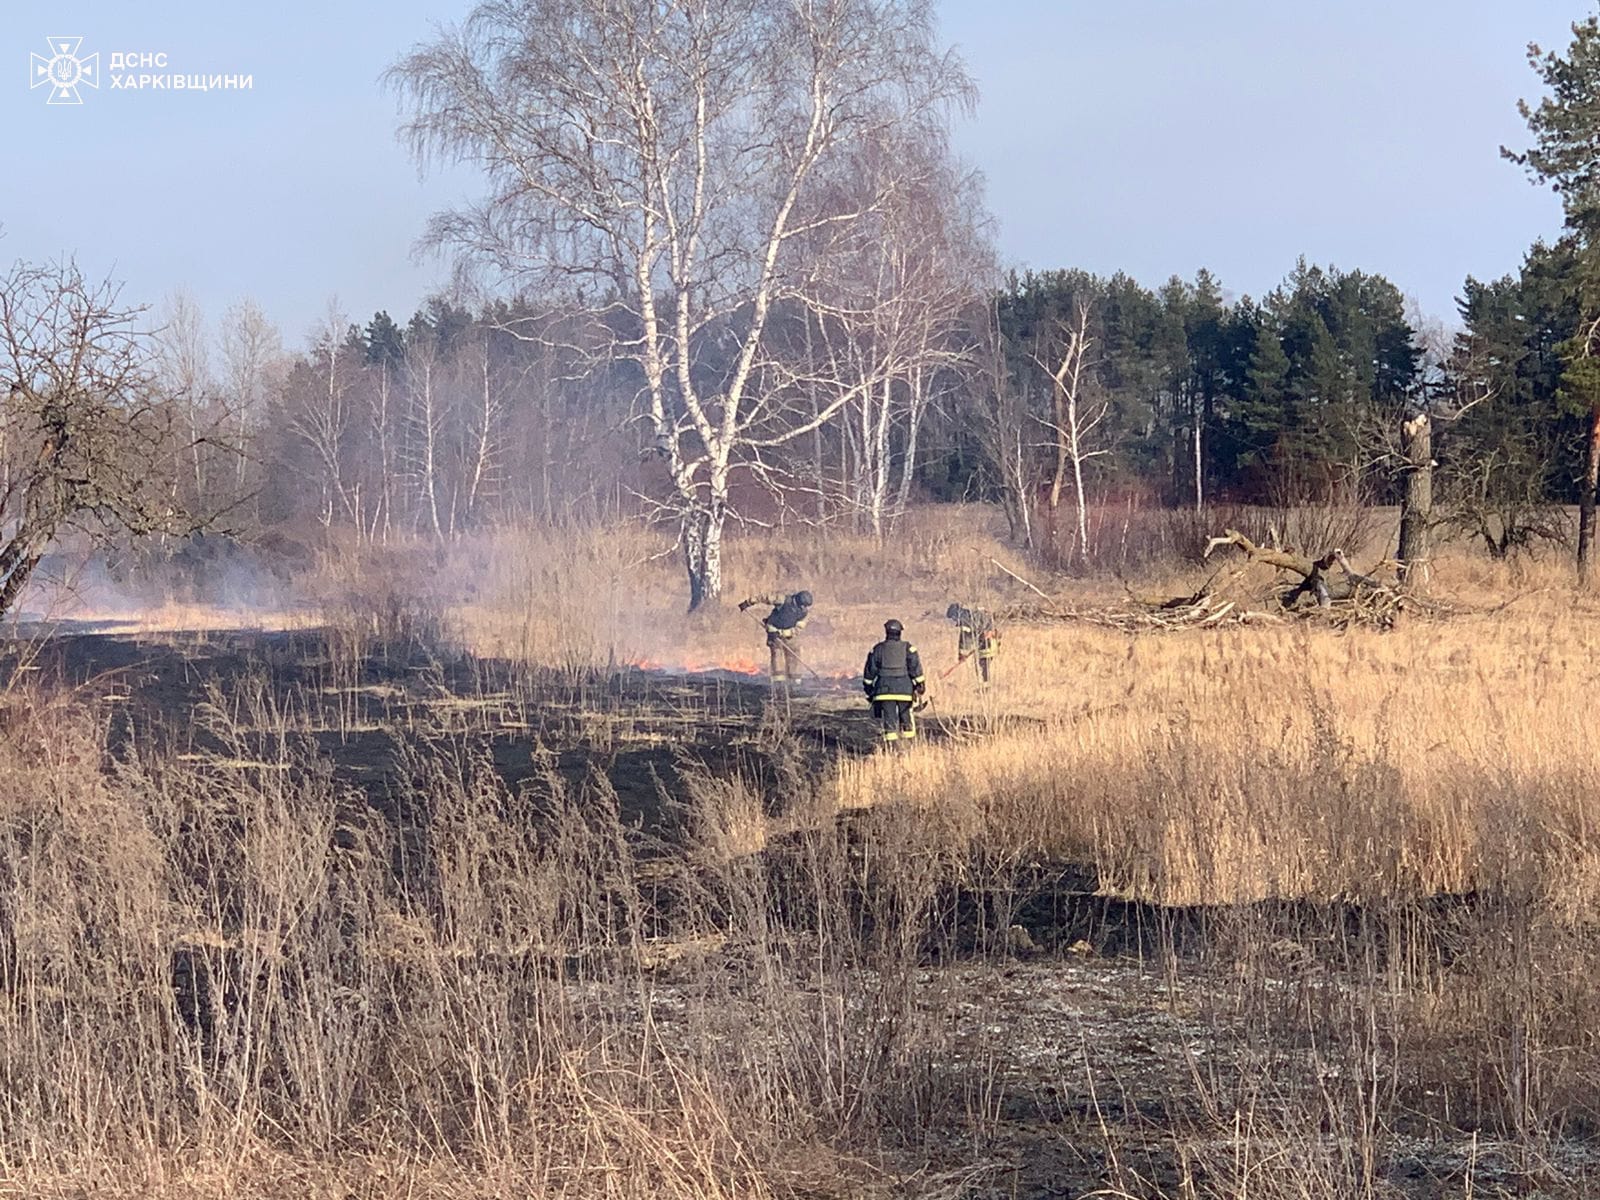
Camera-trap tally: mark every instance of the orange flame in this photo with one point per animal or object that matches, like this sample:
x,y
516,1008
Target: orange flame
x,y
735,666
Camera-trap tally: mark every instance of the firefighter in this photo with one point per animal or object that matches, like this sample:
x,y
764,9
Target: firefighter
x,y
978,635
783,623
893,680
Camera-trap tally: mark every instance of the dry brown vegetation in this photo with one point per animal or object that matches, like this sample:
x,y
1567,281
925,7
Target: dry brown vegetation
x,y
1287,911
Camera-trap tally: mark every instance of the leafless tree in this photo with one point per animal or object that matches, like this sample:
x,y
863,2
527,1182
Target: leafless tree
x,y
1397,442
381,409
424,428
184,355
253,368
1416,504
318,406
888,310
1078,413
1409,442
88,440
1002,424
484,431
656,162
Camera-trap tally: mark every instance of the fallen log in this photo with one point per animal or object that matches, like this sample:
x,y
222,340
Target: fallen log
x,y
1281,559
1313,572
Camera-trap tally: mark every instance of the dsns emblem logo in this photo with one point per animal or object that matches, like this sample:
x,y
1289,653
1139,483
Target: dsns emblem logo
x,y
64,72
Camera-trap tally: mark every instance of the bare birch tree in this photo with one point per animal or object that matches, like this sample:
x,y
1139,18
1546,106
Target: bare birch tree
x,y
424,428
381,410
656,162
1003,426
253,366
184,356
318,410
889,311
1078,413
483,409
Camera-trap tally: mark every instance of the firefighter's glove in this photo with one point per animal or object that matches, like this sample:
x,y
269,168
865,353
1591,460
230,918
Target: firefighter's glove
x,y
919,689
744,604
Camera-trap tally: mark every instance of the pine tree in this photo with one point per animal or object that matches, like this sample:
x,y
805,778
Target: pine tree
x,y
1566,134
1262,412
383,341
1506,376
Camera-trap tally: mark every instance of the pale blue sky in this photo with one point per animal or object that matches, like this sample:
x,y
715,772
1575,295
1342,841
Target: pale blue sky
x,y
1154,136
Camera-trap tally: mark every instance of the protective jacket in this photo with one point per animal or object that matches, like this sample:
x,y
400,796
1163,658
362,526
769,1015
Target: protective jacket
x,y
893,671
978,633
787,617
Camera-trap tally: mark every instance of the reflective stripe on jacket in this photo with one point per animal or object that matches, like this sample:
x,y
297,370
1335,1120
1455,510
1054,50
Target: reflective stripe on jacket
x,y
978,632
893,670
786,617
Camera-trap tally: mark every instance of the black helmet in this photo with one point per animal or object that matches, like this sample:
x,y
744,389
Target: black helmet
x,y
803,599
893,628
953,613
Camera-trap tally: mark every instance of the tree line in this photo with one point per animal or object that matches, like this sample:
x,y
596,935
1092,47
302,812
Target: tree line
x,y
1054,388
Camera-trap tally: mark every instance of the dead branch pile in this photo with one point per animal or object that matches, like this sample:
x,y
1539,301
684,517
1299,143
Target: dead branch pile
x,y
1196,612
1349,598
1343,598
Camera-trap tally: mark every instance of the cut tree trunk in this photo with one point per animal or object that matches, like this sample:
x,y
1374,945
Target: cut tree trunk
x,y
1416,506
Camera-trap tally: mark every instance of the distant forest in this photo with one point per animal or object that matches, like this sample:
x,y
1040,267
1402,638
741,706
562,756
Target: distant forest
x,y
456,420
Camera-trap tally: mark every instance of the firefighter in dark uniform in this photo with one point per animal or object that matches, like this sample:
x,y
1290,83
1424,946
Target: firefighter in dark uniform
x,y
978,635
893,680
783,623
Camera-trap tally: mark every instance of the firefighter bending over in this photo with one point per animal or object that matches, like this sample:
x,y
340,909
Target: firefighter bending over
x,y
893,679
783,623
978,635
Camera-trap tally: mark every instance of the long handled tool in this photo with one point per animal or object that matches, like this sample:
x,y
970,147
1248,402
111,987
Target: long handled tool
x,y
951,670
790,652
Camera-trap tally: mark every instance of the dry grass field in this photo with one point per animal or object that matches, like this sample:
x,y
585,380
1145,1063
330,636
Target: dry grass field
x,y
511,880
1403,760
